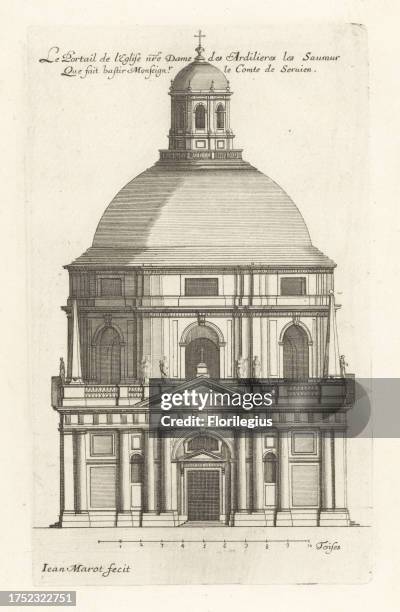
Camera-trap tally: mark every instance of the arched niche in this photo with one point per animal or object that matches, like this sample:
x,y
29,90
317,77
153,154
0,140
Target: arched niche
x,y
295,353
108,362
202,344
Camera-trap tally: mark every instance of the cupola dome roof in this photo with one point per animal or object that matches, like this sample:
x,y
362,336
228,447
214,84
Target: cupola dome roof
x,y
200,76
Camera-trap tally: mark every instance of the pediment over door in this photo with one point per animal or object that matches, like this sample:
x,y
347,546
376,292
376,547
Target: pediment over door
x,y
203,457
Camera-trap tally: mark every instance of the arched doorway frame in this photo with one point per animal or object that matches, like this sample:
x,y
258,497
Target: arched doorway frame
x,y
94,358
225,465
186,339
304,328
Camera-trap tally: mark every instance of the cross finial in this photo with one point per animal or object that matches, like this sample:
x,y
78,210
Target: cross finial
x,y
199,48
199,35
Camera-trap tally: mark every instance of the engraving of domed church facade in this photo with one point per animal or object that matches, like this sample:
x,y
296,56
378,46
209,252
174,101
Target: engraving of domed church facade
x,y
202,275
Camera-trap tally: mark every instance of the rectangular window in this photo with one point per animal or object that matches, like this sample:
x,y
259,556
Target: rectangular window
x,y
201,286
102,444
293,286
110,287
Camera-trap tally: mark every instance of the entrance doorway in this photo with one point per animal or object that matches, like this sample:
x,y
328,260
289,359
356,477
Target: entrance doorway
x,y
203,495
202,350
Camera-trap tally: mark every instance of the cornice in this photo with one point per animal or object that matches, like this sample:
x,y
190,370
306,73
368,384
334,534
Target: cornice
x,y
241,311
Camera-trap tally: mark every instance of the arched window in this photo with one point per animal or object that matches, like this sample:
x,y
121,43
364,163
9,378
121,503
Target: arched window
x,y
200,117
109,358
180,117
206,443
220,117
136,469
270,468
295,353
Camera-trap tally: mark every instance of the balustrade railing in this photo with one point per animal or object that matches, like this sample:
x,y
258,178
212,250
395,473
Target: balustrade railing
x,y
101,391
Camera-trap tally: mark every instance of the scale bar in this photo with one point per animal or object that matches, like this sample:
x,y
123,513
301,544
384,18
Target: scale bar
x,y
208,541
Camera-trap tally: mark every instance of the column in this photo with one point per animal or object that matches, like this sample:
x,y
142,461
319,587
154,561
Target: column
x,y
264,347
273,361
80,471
229,360
339,470
284,488
227,493
256,341
249,472
242,473
67,472
166,473
233,487
174,486
124,472
258,472
327,470
150,473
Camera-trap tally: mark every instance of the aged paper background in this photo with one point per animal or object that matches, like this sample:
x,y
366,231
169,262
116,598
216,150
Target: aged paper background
x,y
46,300
89,136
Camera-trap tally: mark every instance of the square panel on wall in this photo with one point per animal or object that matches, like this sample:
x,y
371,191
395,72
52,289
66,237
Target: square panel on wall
x,y
304,443
102,444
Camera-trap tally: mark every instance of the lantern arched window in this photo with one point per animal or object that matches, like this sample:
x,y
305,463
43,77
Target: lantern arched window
x,y
220,117
200,117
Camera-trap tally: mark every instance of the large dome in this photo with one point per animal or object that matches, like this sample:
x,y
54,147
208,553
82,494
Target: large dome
x,y
199,75
171,207
192,216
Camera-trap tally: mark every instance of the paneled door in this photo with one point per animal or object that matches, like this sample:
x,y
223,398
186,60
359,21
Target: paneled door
x,y
203,495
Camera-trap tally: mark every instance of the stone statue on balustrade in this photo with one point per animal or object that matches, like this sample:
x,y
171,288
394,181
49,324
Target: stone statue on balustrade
x,y
62,370
164,369
241,367
256,367
145,369
343,365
